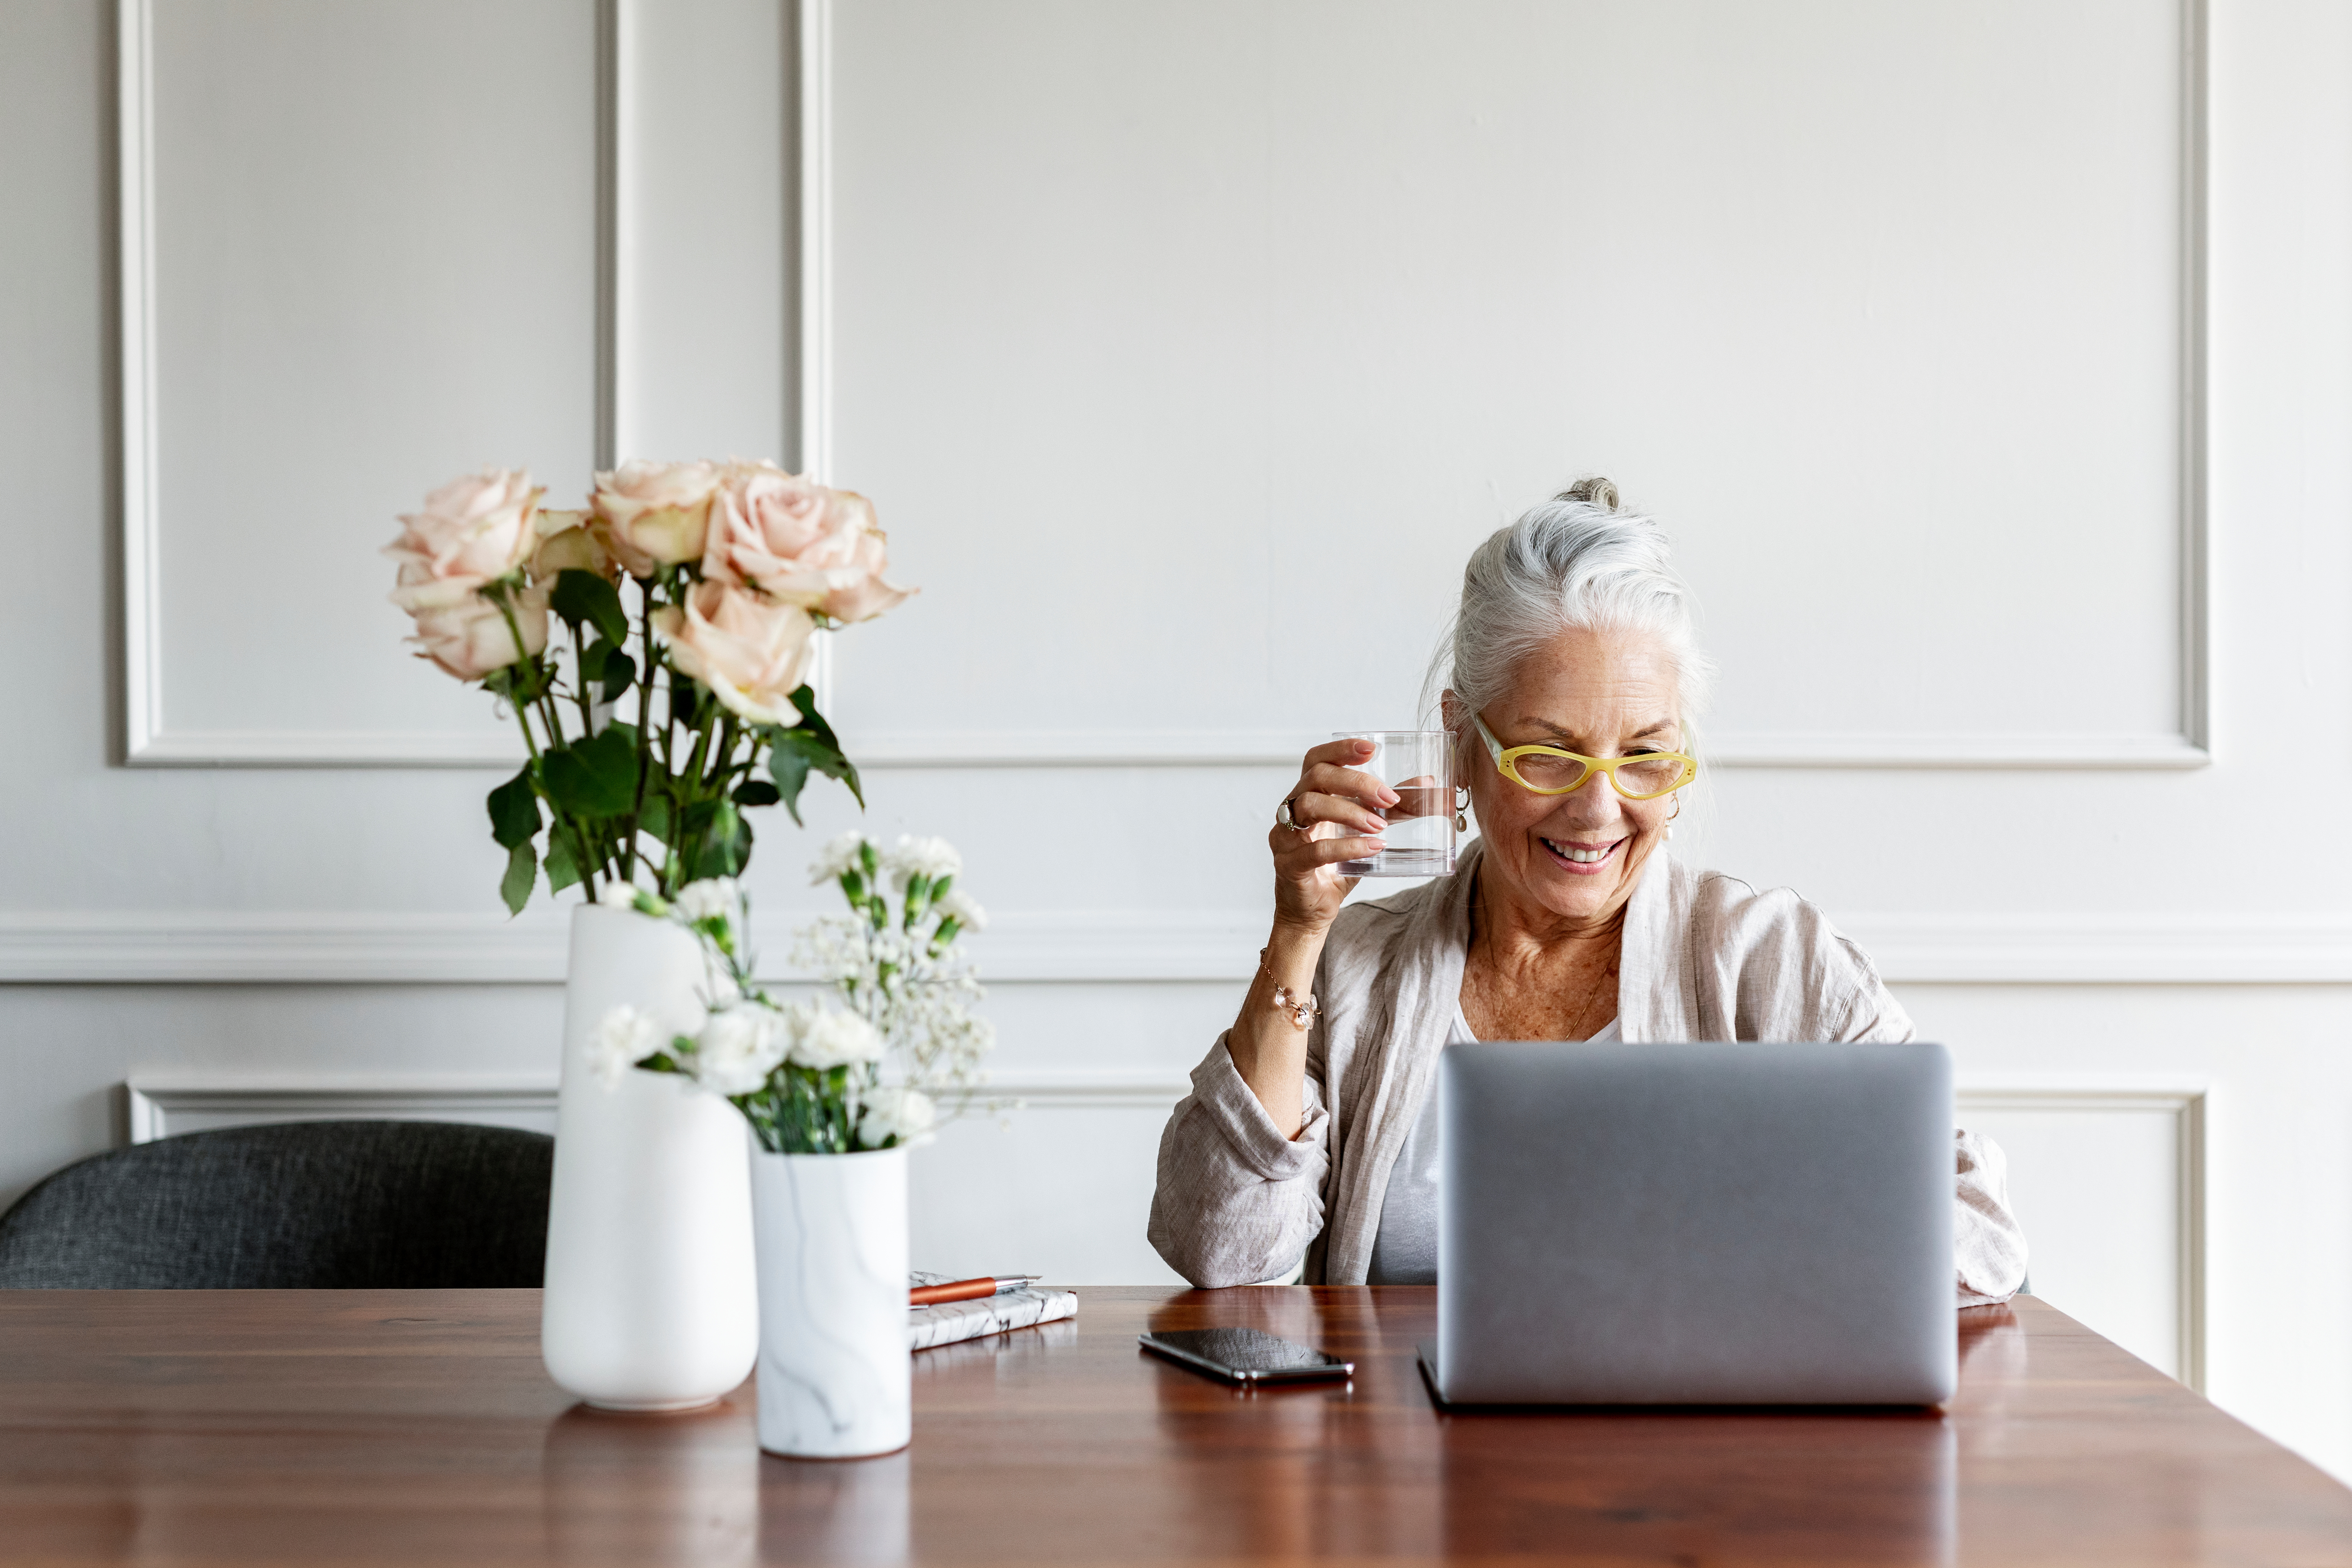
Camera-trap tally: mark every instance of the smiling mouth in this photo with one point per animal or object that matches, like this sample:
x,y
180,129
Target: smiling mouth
x,y
1581,859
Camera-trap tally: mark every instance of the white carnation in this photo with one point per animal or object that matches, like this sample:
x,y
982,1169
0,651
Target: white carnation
x,y
905,1114
738,1049
713,897
838,858
928,857
831,1039
718,988
622,1040
962,909
617,896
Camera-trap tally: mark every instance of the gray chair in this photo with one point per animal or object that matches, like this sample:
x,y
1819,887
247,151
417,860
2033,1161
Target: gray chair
x,y
301,1205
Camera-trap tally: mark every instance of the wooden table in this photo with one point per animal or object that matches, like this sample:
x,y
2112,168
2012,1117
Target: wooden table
x,y
417,1426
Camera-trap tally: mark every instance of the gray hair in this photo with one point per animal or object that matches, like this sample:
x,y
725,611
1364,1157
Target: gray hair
x,y
1576,561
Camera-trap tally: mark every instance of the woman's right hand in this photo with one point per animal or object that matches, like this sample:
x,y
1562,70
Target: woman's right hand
x,y
1340,810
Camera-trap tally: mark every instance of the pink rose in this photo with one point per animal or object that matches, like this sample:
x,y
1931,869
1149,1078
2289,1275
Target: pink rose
x,y
470,531
798,542
651,515
566,544
467,633
753,653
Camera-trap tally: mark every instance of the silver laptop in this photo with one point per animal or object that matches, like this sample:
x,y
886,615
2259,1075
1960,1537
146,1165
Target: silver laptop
x,y
1694,1224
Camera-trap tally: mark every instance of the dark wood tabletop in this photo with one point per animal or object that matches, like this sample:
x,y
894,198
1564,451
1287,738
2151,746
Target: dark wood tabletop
x,y
389,1427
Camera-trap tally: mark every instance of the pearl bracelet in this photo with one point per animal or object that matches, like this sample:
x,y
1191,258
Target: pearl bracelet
x,y
1302,1009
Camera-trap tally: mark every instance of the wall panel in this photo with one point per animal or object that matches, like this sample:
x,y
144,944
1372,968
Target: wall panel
x,y
341,287
1256,318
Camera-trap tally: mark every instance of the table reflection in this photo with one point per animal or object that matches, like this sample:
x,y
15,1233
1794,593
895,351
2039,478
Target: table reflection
x,y
835,1511
1702,1487
677,1490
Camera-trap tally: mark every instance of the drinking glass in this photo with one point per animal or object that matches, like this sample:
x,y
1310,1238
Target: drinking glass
x,y
1419,765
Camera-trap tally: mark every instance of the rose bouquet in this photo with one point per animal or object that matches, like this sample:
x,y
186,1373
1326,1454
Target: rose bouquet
x,y
736,567
809,1077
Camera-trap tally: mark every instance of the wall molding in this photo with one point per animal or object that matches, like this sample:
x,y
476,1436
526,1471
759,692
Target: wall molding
x,y
1167,749
161,1104
1110,947
164,1104
2188,746
142,692
2187,1102
150,742
1282,749
148,739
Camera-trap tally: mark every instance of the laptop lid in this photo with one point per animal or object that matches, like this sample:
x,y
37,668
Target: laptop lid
x,y
1695,1224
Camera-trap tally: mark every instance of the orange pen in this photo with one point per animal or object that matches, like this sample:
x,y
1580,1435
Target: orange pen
x,y
968,1289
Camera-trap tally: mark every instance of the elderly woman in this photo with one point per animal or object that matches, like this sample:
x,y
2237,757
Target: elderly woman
x,y
1308,1146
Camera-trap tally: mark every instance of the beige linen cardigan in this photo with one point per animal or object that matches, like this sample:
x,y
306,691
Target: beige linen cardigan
x,y
1705,957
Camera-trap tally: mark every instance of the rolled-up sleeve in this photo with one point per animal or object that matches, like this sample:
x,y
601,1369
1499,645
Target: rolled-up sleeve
x,y
1988,1246
1236,1202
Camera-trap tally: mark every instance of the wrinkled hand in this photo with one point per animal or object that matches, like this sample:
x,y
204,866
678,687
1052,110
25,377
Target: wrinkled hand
x,y
1345,812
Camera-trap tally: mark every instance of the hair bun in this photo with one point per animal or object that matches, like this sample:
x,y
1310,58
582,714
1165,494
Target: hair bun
x,y
1592,490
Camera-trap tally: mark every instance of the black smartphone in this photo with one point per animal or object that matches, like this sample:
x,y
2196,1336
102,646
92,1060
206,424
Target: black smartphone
x,y
1246,1355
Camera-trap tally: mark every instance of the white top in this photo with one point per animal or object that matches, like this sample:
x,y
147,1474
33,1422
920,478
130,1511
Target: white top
x,y
1704,957
1405,1249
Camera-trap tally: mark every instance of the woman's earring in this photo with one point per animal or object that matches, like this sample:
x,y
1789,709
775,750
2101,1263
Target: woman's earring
x,y
1461,804
1670,821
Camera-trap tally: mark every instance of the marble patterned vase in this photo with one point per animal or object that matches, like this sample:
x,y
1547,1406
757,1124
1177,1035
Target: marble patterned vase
x,y
835,1376
652,1300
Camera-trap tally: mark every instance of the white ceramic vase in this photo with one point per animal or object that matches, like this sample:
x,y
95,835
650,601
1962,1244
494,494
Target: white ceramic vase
x,y
835,1375
652,1299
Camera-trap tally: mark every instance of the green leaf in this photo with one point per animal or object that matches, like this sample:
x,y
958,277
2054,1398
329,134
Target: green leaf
x,y
730,842
794,753
514,812
522,870
756,792
686,700
584,597
603,665
789,769
562,868
804,699
693,830
654,819
714,840
595,776
618,670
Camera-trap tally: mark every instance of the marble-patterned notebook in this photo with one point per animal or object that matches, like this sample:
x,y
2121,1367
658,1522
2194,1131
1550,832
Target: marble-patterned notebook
x,y
950,1321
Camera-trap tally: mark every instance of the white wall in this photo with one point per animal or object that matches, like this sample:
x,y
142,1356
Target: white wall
x,y
1186,349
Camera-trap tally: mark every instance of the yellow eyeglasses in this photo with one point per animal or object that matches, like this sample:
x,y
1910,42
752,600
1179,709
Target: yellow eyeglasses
x,y
1547,770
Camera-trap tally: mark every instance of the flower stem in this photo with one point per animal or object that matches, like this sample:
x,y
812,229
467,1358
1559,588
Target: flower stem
x,y
589,863
540,684
530,743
